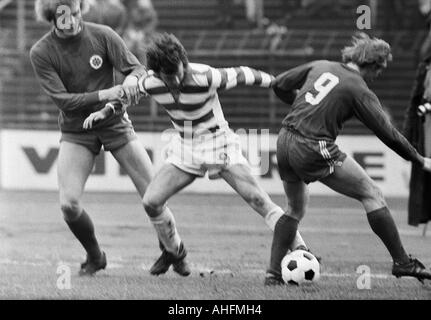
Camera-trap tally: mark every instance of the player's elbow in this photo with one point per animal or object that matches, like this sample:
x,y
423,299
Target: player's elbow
x,y
62,103
287,97
273,82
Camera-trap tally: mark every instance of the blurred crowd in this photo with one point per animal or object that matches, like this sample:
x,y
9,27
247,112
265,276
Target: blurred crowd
x,y
133,20
387,14
255,17
425,9
253,13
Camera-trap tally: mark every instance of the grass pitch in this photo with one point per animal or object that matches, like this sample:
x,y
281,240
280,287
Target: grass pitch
x,y
228,245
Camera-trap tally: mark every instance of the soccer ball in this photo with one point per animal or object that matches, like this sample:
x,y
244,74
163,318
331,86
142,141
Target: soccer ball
x,y
300,266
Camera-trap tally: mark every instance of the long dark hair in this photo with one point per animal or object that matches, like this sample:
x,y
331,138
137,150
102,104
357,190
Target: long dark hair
x,y
164,53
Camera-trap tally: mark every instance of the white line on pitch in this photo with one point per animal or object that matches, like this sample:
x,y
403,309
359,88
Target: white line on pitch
x,y
203,271
341,231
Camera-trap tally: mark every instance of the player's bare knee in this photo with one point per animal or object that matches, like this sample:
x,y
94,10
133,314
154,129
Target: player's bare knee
x,y
378,197
298,215
71,209
296,210
374,195
152,206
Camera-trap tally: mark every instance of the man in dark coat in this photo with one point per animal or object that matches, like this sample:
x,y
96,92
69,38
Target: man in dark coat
x,y
419,206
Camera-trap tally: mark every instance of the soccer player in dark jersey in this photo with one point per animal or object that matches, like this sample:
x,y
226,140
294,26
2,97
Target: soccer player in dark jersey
x,y
74,64
323,95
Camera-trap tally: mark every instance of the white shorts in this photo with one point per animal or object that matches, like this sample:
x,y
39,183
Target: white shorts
x,y
212,153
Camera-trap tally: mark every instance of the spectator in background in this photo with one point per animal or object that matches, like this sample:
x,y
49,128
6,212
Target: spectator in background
x,y
292,8
225,12
311,9
394,14
425,9
324,8
254,13
419,205
108,12
142,23
374,6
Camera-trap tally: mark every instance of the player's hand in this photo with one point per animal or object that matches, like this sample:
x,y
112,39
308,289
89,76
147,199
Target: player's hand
x,y
427,164
112,94
94,117
131,90
141,87
273,81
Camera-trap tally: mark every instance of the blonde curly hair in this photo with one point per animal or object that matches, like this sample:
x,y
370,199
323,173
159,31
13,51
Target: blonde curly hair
x,y
367,51
45,9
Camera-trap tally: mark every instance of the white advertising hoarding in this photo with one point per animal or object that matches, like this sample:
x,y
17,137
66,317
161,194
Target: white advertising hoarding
x,y
28,161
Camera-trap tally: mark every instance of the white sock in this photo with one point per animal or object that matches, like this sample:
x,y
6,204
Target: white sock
x,y
271,219
166,230
298,241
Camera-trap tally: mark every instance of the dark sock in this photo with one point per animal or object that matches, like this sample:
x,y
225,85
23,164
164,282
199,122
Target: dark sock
x,y
284,234
83,229
383,225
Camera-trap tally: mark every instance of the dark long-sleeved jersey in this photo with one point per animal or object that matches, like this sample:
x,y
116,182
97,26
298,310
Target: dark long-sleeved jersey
x,y
72,71
330,93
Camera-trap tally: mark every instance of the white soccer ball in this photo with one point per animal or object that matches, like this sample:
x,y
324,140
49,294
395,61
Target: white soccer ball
x,y
300,266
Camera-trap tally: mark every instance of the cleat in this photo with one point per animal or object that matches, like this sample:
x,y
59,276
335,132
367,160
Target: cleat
x,y
161,265
167,259
181,267
304,248
413,268
272,280
90,267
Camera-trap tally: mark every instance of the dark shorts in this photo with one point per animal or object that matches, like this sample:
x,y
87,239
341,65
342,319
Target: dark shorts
x,y
111,138
303,159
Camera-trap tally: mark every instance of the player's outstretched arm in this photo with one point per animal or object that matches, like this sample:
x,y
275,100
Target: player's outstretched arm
x,y
125,62
286,85
370,112
52,84
227,78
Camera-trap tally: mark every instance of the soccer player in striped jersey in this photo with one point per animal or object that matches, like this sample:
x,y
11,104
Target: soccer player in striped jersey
x,y
323,95
205,143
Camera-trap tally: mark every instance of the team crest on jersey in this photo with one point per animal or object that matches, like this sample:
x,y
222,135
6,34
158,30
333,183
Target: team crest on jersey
x,y
96,62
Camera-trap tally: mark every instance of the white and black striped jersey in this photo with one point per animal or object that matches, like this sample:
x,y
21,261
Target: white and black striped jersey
x,y
195,108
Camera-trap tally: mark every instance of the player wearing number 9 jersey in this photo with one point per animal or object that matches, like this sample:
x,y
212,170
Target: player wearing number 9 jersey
x,y
323,95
